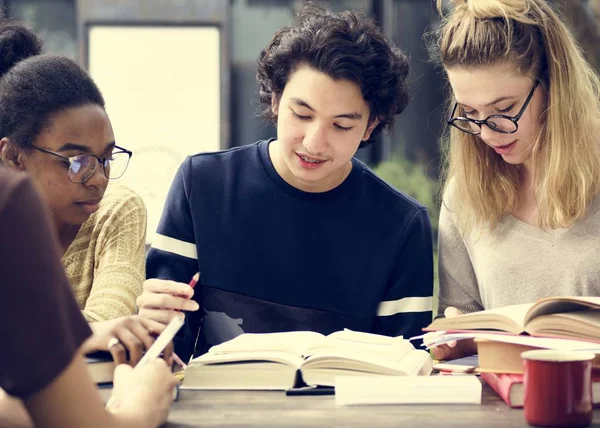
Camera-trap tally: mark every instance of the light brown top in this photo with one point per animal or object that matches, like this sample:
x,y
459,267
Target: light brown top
x,y
105,262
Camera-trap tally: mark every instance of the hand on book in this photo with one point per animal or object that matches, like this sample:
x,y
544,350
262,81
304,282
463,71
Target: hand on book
x,y
161,300
451,350
131,335
146,390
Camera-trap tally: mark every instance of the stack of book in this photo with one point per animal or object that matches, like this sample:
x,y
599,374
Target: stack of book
x,y
564,323
101,367
510,387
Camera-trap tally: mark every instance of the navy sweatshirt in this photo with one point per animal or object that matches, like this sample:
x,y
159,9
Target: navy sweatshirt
x,y
275,258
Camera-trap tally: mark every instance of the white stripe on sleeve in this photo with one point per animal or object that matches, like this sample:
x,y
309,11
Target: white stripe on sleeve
x,y
175,246
407,304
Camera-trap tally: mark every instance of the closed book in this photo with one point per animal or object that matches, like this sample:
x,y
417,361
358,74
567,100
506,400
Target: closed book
x,y
100,366
503,357
510,387
279,361
464,389
105,390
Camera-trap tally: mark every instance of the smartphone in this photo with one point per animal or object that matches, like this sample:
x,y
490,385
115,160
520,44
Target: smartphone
x,y
460,365
162,340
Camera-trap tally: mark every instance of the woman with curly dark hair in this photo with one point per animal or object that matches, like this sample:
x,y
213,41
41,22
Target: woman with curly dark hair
x,y
294,233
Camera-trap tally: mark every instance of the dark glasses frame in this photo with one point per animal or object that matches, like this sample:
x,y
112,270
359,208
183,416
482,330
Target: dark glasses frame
x,y
490,124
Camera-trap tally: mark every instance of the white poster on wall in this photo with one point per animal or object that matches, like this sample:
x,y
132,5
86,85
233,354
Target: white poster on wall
x,y
162,90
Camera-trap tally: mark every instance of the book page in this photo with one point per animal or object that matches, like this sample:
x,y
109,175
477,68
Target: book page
x,y
295,342
285,358
324,369
508,318
367,345
584,325
552,305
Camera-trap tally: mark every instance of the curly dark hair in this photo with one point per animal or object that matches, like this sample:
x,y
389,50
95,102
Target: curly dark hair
x,y
34,87
345,46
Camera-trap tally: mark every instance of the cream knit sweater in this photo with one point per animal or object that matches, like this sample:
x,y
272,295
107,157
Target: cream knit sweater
x,y
105,261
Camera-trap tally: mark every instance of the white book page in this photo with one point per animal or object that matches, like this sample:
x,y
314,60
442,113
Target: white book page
x,y
248,356
508,318
294,342
393,350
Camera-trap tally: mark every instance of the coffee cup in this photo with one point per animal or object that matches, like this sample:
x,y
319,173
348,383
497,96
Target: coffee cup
x,y
557,388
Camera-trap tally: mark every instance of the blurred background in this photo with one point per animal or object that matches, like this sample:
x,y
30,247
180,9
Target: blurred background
x,y
409,158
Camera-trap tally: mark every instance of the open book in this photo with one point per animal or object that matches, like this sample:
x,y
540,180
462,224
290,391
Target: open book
x,y
280,361
563,317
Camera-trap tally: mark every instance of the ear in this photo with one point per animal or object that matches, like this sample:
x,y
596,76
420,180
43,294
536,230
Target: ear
x,y
372,125
10,155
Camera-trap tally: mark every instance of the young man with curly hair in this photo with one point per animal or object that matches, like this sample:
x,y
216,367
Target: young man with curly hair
x,y
294,233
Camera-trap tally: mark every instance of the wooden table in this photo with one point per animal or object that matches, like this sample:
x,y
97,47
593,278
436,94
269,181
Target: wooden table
x,y
275,409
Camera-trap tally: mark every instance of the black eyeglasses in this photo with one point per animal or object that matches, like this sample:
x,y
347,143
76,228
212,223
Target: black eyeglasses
x,y
82,167
496,122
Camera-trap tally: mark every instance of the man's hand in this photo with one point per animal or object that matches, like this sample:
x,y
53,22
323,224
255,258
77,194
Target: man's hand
x,y
161,300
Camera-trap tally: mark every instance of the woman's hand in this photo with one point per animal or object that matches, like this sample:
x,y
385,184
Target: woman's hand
x,y
454,349
161,300
126,336
147,390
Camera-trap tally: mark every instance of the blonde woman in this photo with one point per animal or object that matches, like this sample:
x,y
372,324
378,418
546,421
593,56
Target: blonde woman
x,y
520,218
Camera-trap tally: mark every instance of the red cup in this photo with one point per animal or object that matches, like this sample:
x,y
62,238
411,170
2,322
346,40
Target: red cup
x,y
558,388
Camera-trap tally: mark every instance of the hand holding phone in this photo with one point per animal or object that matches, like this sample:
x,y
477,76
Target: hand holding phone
x,y
162,340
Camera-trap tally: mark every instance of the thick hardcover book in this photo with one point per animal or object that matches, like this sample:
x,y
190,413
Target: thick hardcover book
x,y
279,361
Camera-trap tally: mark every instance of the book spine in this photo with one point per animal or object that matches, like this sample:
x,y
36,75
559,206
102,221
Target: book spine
x,y
501,384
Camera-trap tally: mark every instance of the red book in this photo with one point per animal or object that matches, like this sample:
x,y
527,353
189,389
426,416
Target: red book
x,y
510,387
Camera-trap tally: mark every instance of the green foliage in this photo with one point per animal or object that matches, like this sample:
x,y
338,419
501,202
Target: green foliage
x,y
410,178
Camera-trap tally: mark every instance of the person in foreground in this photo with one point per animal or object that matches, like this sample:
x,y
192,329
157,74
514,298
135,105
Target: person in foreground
x,y
520,218
294,233
44,331
54,126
